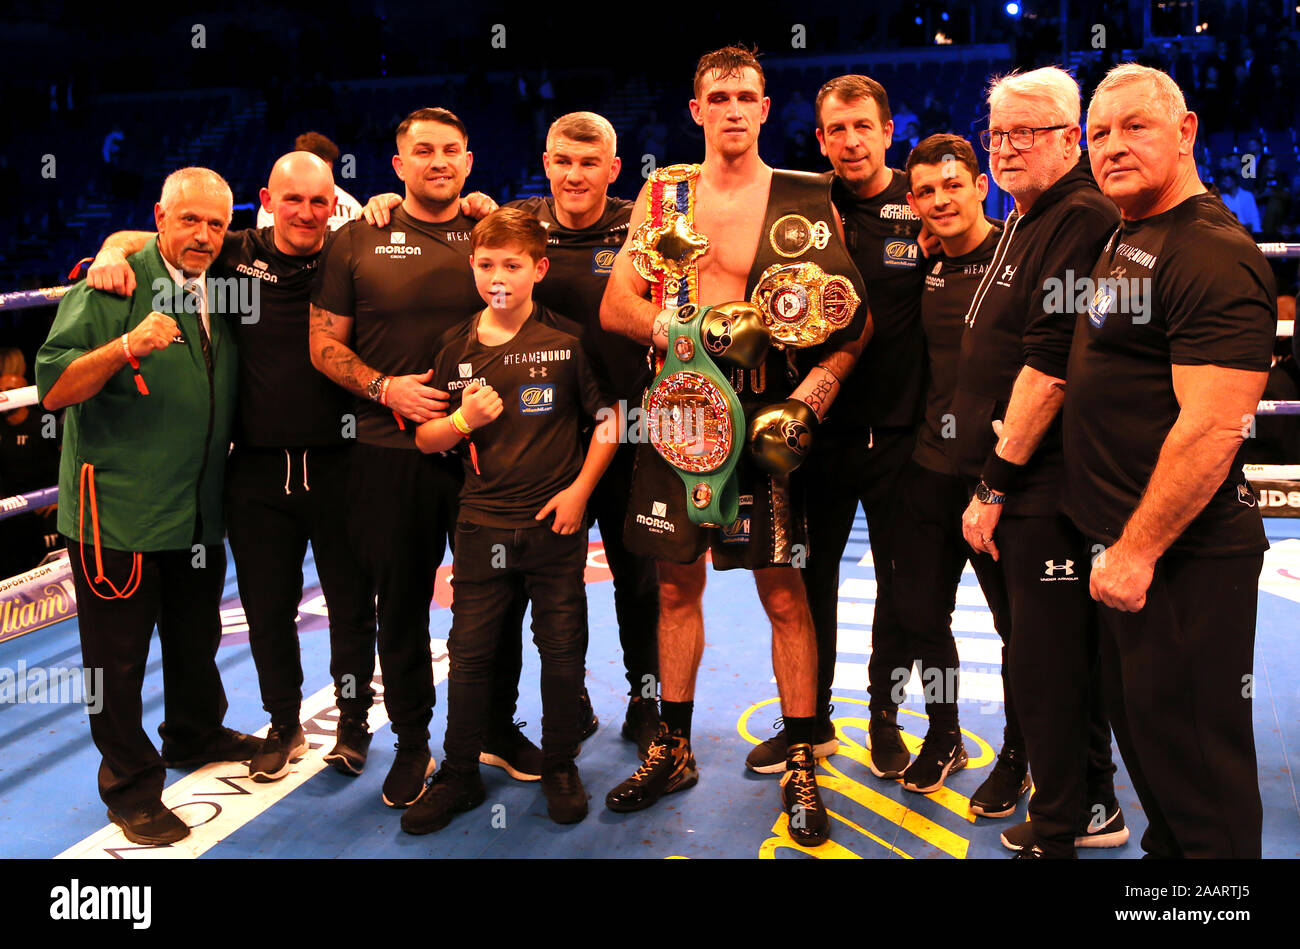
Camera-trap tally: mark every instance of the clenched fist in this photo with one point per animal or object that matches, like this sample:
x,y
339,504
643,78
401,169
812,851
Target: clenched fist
x,y
155,331
480,404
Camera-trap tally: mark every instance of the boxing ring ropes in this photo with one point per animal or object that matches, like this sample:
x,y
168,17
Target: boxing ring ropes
x,y
44,595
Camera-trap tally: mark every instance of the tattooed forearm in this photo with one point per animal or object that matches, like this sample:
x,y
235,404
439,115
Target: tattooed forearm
x,y
818,389
659,330
327,337
345,368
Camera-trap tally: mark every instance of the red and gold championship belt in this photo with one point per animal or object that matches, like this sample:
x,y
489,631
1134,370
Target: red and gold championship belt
x,y
802,305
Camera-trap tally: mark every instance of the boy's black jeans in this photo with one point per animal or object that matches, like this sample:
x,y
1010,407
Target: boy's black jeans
x,y
490,563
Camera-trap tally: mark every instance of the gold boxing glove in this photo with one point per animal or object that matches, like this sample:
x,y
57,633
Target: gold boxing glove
x,y
735,333
780,436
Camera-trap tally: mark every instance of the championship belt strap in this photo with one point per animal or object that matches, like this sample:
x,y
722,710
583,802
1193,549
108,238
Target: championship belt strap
x,y
666,247
696,422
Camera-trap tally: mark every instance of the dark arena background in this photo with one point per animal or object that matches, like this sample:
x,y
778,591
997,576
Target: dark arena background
x,y
101,102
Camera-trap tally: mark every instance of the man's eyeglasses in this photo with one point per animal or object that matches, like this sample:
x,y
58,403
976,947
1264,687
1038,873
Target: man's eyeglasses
x,y
1021,138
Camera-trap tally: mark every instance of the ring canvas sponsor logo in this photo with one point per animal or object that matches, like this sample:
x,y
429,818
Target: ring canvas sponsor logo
x,y
602,261
657,520
536,400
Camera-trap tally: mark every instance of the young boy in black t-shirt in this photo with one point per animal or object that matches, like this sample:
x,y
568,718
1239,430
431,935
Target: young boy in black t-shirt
x,y
519,387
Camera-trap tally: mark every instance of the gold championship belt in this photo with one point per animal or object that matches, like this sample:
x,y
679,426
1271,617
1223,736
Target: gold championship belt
x,y
802,305
665,248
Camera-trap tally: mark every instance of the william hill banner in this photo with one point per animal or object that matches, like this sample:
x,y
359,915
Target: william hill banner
x,y
38,598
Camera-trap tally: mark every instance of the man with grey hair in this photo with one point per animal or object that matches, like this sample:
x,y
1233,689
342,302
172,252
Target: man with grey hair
x,y
287,471
149,382
1162,489
1011,380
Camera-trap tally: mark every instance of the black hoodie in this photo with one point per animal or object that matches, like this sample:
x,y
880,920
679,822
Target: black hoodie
x,y
1009,326
580,265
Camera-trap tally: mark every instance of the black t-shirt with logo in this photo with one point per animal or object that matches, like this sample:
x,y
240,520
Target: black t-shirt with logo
x,y
531,451
284,402
581,262
950,283
404,286
1023,315
887,386
1187,287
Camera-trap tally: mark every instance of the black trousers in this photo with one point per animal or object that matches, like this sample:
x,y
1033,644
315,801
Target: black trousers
x,y
401,515
184,601
1178,686
490,564
636,582
277,501
840,473
1056,674
929,555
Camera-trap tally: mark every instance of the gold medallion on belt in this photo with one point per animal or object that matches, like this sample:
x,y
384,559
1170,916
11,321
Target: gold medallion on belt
x,y
802,305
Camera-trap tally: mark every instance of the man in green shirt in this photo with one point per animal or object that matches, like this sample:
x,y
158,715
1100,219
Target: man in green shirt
x,y
149,382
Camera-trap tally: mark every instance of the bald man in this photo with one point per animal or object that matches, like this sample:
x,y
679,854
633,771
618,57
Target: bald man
x,y
285,477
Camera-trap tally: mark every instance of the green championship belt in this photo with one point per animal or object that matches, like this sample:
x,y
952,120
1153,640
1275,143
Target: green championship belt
x,y
696,422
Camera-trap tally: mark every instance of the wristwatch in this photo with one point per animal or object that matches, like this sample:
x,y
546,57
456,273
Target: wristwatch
x,y
374,387
985,495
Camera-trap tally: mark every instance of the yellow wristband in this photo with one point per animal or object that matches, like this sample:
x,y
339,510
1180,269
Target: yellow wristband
x,y
459,424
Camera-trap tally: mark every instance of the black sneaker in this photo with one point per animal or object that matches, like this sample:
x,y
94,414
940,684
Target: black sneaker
x,y
669,767
641,723
1106,830
448,794
351,743
411,768
512,750
1030,853
151,825
282,745
587,720
566,798
229,746
889,756
770,756
941,754
810,824
1003,788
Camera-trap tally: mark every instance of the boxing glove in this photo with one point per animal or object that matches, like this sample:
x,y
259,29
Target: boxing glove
x,y
780,436
734,333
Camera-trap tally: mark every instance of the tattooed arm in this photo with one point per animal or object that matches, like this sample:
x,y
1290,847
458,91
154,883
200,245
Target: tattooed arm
x,y
822,384
328,337
408,395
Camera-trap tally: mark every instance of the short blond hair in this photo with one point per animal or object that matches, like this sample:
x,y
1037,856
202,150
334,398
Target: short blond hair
x,y
1166,92
583,127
